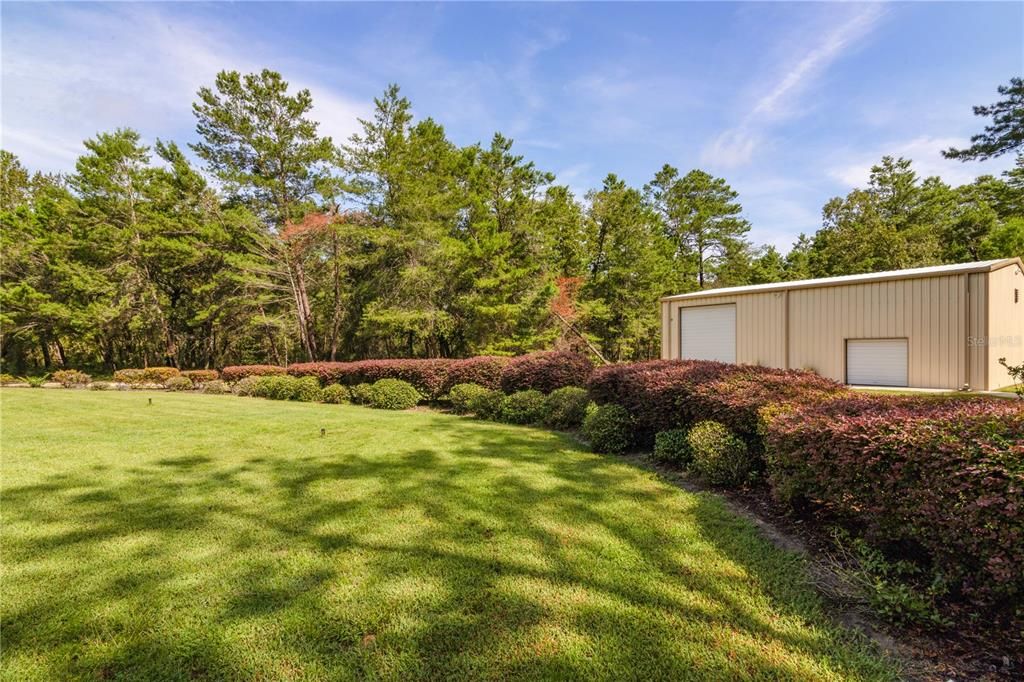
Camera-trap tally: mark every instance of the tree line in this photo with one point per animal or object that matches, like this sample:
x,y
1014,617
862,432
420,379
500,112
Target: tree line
x,y
285,246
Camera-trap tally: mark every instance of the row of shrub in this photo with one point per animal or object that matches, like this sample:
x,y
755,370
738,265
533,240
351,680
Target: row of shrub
x,y
940,477
563,408
670,394
434,378
155,375
387,394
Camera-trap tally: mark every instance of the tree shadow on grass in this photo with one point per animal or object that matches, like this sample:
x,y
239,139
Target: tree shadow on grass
x,y
490,553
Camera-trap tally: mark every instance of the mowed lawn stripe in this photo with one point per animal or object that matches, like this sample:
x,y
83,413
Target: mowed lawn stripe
x,y
215,537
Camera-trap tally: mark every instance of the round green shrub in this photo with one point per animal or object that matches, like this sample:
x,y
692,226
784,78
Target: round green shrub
x,y
336,394
245,386
608,429
566,408
361,393
487,405
215,387
522,407
718,454
277,387
672,447
6,378
178,383
461,395
307,390
394,394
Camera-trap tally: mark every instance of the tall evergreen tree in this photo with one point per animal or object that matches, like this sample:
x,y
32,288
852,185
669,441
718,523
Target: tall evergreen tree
x,y
258,140
1006,132
700,214
629,269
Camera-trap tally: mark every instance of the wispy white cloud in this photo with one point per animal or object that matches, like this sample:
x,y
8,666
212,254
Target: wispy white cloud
x,y
732,148
87,68
736,146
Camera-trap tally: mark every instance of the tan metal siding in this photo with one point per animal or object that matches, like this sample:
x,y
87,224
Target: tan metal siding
x,y
760,327
930,312
1005,323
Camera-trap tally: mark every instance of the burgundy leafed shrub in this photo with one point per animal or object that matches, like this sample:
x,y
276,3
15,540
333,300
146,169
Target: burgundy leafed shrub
x,y
545,371
432,377
655,393
236,372
944,474
735,398
667,394
428,376
484,370
201,376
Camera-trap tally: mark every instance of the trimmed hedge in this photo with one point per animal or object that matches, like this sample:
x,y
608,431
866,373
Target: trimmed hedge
x,y
178,384
522,407
944,474
148,375
246,386
70,378
238,372
426,376
487,405
308,390
393,394
718,454
128,376
336,394
201,376
545,371
276,387
361,393
608,429
669,394
215,387
673,447
435,377
566,407
461,395
483,370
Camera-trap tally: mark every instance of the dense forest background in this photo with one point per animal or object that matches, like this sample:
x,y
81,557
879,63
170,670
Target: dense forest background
x,y
285,246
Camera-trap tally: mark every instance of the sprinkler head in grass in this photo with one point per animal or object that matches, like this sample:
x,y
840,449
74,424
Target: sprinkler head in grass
x,y
323,432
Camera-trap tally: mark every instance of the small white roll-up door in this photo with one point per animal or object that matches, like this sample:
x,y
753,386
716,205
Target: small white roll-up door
x,y
876,362
708,333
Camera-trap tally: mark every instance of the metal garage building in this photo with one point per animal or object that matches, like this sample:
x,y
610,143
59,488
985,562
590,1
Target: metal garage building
x,y
938,327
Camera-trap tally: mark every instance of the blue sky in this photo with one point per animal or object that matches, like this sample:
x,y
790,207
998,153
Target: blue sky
x,y
790,102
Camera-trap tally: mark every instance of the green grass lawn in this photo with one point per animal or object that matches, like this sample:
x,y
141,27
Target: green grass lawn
x,y
215,537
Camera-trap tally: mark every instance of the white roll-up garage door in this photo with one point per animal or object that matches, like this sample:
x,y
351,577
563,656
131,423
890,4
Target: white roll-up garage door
x,y
708,333
876,362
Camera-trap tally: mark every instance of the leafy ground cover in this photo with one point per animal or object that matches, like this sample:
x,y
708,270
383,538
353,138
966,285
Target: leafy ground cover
x,y
218,537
